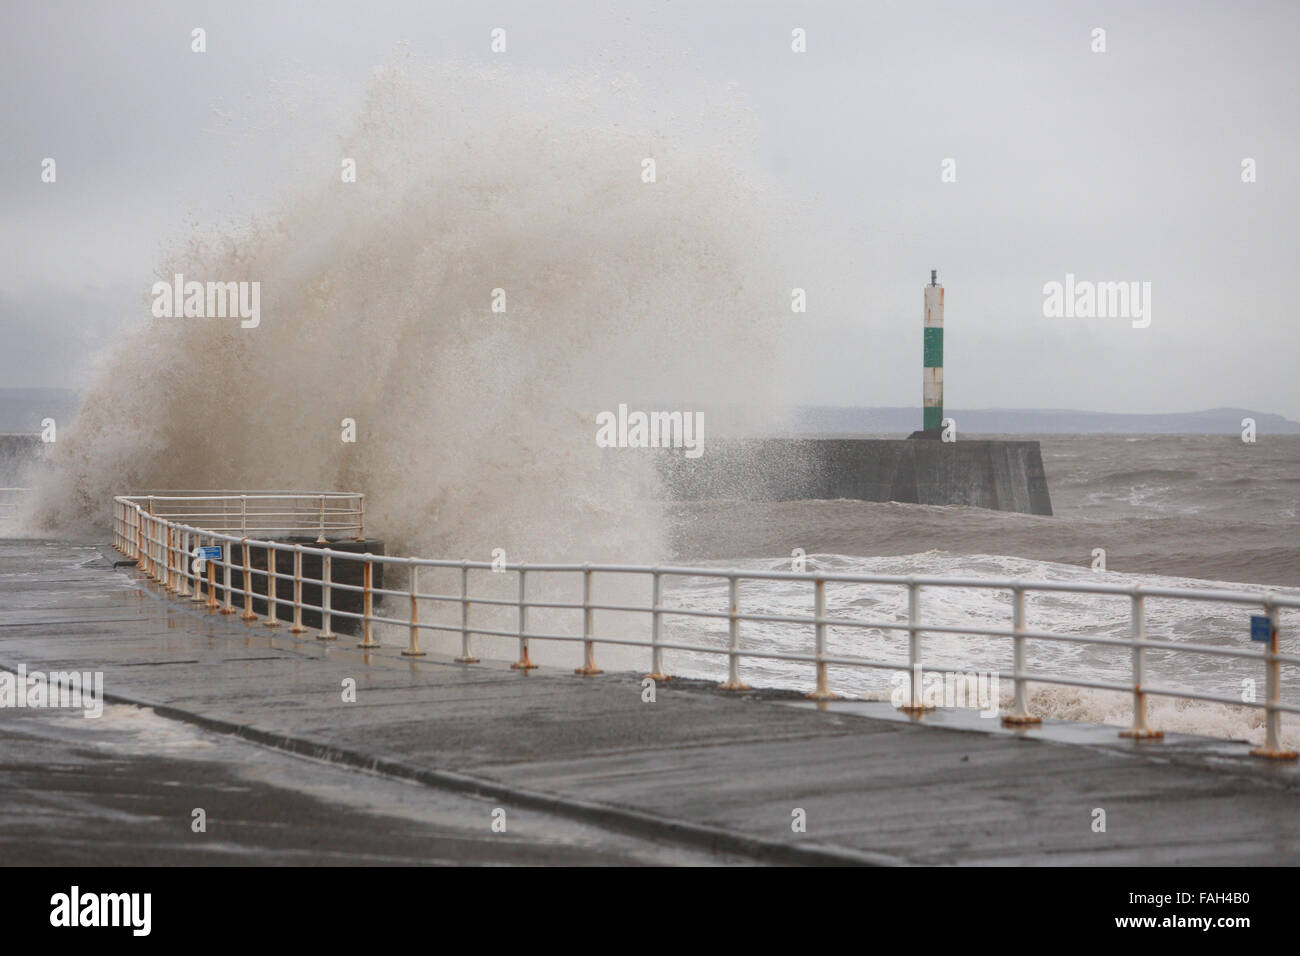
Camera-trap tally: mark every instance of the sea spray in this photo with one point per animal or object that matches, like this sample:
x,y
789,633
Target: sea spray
x,y
474,424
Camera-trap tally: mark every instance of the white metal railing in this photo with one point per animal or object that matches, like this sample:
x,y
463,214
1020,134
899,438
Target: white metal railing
x,y
150,529
325,513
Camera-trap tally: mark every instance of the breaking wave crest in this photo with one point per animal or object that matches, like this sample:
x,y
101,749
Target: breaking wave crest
x,y
475,429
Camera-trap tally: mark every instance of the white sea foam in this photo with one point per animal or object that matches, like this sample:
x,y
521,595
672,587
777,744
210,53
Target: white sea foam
x,y
1177,621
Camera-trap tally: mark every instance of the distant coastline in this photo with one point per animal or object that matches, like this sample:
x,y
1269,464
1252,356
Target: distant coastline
x,y
21,410
833,420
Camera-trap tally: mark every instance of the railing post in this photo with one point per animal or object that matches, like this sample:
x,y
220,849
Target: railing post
x,y
183,549
523,664
1138,634
823,691
168,556
297,627
321,539
174,553
413,650
212,586
1273,748
153,543
1020,715
733,681
361,517
198,597
183,563
326,634
916,705
588,668
272,609
174,536
657,672
466,657
226,561
367,578
248,614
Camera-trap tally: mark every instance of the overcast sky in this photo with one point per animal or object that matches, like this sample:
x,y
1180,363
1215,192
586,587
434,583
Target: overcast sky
x,y
1117,166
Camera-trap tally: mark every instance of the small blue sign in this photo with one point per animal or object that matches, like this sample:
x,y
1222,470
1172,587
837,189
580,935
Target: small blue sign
x,y
209,553
1261,628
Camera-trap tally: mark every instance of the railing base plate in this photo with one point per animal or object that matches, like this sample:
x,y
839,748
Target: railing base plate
x,y
1268,754
1014,720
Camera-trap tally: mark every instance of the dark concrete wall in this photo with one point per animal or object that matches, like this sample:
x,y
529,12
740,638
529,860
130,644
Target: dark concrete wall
x,y
1002,475
17,452
342,571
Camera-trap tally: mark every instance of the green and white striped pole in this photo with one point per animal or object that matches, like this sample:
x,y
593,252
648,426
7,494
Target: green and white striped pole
x,y
933,354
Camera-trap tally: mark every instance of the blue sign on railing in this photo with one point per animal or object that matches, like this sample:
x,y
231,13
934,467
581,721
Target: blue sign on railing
x,y
1261,628
212,553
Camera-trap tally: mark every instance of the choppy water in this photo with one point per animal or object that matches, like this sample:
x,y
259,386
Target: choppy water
x,y
1187,505
1175,511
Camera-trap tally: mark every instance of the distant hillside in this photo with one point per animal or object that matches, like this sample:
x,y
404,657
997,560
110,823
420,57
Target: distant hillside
x,y
21,409
823,419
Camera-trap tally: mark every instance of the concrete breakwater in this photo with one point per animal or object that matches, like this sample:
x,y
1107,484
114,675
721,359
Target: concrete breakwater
x,y
1001,475
18,451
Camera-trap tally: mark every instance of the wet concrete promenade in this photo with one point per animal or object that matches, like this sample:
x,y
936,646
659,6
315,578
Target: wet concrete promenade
x,y
251,726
